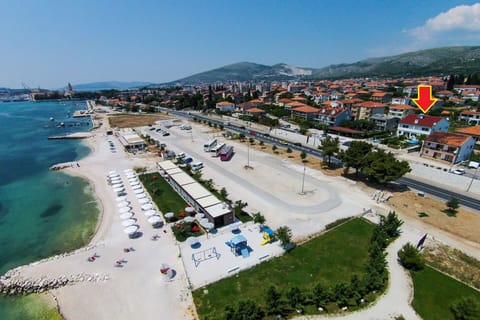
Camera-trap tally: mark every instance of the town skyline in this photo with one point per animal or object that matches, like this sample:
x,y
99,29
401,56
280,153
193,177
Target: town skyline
x,y
54,44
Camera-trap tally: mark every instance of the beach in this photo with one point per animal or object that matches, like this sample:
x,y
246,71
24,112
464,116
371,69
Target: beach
x,y
101,289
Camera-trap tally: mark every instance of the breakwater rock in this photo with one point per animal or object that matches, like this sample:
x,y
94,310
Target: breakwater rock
x,y
14,284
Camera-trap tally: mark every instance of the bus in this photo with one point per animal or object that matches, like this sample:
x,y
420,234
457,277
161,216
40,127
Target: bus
x,y
226,153
209,145
215,151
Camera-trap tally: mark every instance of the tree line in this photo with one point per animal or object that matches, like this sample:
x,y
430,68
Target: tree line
x,y
359,290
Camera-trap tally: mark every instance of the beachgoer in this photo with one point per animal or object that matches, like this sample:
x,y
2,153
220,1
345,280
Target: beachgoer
x,y
78,165
164,231
126,250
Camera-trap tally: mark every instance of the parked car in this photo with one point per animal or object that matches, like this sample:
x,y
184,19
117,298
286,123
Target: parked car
x,y
458,171
165,134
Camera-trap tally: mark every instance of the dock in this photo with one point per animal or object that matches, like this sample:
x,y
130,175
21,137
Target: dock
x,y
77,135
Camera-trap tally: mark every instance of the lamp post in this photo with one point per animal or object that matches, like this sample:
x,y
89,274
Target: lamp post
x,y
473,177
303,179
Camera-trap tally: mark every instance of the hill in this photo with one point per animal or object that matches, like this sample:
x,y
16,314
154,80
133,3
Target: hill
x,y
447,60
108,85
247,71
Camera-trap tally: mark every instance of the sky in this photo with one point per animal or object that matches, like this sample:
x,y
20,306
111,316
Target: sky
x,y
50,43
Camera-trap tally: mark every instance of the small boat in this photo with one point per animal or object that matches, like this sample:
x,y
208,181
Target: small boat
x,y
52,119
62,124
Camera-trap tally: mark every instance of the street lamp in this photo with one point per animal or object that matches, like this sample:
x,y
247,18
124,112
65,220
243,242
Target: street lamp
x,y
473,177
303,180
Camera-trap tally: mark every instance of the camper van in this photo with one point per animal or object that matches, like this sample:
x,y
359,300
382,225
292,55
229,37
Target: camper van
x,y
197,166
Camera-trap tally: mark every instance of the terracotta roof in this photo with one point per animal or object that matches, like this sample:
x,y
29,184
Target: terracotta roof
x,y
448,138
296,104
469,113
299,99
255,110
422,120
343,129
379,94
224,103
306,109
401,107
284,100
471,131
370,104
444,92
333,112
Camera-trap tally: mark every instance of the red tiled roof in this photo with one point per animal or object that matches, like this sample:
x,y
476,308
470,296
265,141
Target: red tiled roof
x,y
343,129
471,131
469,113
306,109
370,104
255,110
448,138
401,107
224,103
422,120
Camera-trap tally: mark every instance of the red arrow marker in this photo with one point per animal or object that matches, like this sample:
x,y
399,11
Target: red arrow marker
x,y
425,101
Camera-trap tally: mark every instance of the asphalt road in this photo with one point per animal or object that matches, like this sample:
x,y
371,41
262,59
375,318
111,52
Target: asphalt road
x,y
444,194
470,202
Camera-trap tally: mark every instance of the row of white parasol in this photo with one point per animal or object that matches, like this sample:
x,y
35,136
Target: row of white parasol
x,y
124,206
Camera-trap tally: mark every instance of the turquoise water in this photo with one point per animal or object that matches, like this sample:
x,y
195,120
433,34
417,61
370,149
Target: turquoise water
x,y
42,212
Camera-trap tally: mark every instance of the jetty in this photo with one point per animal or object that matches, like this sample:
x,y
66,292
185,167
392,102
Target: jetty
x,y
76,135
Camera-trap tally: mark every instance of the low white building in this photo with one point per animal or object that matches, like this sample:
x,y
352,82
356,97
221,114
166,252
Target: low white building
x,y
132,142
414,125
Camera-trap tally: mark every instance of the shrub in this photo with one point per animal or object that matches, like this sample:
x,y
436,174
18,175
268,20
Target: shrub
x,y
410,257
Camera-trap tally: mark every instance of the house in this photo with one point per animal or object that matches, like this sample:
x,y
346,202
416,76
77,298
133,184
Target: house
x,y
385,122
471,131
382,97
414,125
400,110
472,117
225,106
401,100
305,112
444,94
249,104
364,110
333,116
256,112
448,147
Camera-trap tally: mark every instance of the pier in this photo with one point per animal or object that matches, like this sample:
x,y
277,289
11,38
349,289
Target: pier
x,y
77,135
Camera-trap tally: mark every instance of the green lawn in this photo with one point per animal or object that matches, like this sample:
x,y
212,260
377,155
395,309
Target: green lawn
x,y
434,292
329,259
164,196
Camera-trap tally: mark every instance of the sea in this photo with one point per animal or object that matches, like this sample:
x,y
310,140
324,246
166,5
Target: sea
x,y
42,212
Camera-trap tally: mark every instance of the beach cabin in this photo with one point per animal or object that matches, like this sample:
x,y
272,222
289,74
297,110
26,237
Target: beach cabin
x,y
132,142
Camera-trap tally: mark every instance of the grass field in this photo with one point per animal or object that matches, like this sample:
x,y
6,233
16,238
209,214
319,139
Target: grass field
x,y
329,259
164,196
130,121
434,292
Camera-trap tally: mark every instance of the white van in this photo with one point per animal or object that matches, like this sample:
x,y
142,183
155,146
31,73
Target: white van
x,y
197,166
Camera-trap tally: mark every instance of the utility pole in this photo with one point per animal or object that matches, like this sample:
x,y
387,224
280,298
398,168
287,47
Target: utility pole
x,y
473,177
303,179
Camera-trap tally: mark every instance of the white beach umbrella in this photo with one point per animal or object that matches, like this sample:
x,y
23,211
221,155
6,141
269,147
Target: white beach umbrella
x,y
131,175
189,209
199,216
147,206
124,209
141,195
137,187
169,215
143,201
138,191
113,176
150,213
126,215
131,230
112,172
128,222
119,189
133,182
192,240
117,185
122,198
204,221
123,204
189,219
209,226
154,219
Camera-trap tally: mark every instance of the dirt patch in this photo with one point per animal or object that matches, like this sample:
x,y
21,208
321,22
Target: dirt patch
x,y
130,121
409,205
453,262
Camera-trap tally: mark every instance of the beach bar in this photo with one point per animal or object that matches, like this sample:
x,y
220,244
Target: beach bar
x,y
203,201
132,142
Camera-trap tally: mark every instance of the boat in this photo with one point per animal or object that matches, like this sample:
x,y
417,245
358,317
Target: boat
x,y
52,119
